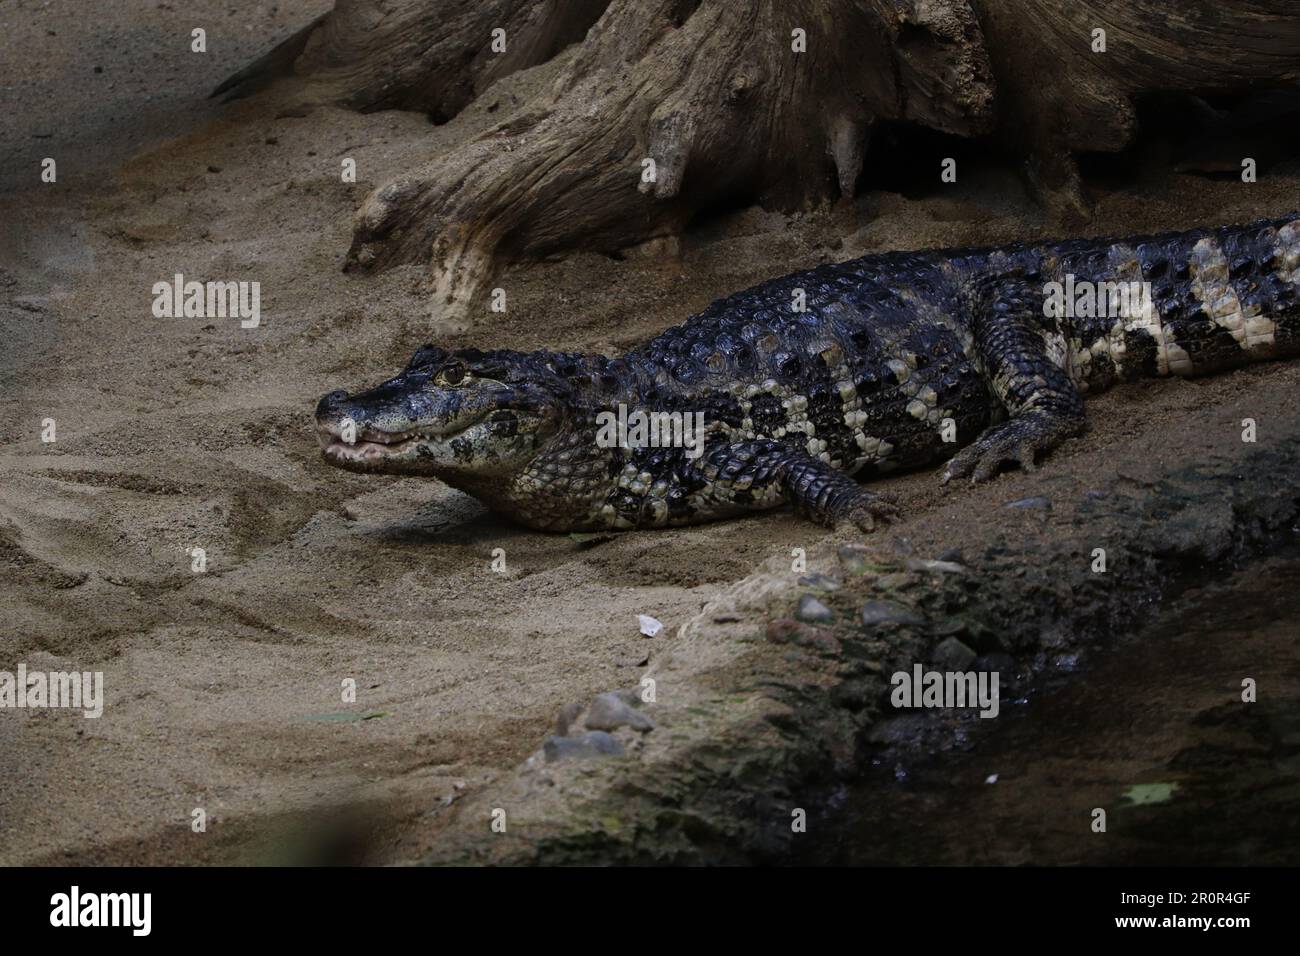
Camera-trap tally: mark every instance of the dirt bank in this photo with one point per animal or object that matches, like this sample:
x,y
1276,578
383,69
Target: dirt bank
x,y
223,687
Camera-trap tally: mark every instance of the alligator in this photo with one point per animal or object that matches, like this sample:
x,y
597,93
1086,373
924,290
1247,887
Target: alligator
x,y
807,383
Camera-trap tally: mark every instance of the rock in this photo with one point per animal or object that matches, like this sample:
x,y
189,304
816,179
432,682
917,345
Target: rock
x,y
649,626
952,655
629,695
594,743
32,303
823,582
952,554
887,612
1066,662
820,640
609,712
897,581
783,630
813,611
568,714
855,559
1038,501
934,567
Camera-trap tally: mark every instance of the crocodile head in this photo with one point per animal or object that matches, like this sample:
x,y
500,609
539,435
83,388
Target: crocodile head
x,y
467,417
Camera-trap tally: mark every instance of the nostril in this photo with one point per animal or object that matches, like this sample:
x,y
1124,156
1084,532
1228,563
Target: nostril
x,y
331,401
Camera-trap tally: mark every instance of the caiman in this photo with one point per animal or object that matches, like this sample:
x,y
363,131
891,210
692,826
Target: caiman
x,y
808,383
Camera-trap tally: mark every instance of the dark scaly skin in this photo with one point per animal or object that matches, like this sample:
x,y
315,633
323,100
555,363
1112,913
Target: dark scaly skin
x,y
797,404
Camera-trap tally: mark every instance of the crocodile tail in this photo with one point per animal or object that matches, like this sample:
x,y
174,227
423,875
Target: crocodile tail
x,y
1188,303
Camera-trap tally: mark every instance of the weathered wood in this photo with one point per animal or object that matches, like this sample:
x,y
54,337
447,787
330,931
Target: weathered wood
x,y
715,93
726,100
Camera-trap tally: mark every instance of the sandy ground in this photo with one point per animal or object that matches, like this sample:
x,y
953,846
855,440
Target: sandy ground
x,y
223,687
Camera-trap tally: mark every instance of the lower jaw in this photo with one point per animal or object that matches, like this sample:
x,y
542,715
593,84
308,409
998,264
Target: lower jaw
x,y
371,462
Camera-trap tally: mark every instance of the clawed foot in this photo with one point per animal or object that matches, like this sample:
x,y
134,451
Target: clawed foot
x,y
1017,442
865,510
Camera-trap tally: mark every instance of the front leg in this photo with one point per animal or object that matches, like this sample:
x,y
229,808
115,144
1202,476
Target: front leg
x,y
1042,400
759,474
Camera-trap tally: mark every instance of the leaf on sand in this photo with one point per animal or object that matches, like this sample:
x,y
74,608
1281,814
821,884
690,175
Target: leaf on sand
x,y
1141,793
347,716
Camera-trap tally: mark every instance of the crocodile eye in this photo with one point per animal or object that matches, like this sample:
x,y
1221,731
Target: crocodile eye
x,y
451,375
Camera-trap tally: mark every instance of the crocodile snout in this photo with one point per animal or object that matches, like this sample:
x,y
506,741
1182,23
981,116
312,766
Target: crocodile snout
x,y
328,406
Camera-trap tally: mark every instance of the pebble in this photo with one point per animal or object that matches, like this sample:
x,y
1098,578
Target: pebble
x,y
813,611
786,631
887,612
823,582
566,718
594,743
1037,501
952,655
897,581
649,626
855,559
31,303
936,567
609,712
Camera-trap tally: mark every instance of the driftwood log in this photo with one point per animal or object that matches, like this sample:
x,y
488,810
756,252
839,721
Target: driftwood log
x,y
667,107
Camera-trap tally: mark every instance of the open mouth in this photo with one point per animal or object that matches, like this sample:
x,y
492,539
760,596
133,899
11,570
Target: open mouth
x,y
364,449
372,445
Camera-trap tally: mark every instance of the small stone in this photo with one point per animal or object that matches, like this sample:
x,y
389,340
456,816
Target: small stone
x,y
629,695
568,714
1037,501
855,559
31,303
887,612
594,743
214,169
897,581
952,655
609,712
649,626
820,640
822,582
783,630
991,778
934,567
813,611
952,554
1066,662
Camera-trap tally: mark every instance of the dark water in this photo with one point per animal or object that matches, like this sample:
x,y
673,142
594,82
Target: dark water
x,y
1218,780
